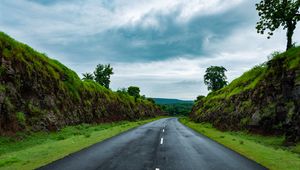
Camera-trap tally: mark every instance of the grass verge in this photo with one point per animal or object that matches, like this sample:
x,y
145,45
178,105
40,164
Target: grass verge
x,y
30,151
266,150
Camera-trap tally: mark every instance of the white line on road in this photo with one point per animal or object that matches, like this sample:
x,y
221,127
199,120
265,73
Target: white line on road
x,y
156,168
163,130
161,141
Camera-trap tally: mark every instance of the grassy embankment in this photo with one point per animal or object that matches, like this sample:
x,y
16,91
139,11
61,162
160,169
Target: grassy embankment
x,y
37,149
266,150
37,93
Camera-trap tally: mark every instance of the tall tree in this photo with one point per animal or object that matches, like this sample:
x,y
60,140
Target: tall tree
x,y
88,76
134,91
215,78
102,74
276,13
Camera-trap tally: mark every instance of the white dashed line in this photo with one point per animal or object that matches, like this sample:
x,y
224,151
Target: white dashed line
x,y
156,168
161,141
163,130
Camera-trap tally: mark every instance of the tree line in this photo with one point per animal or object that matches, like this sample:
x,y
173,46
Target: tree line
x,y
102,74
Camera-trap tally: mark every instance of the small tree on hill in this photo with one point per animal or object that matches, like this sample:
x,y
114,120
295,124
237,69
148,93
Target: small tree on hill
x,y
151,100
88,76
134,91
102,74
276,13
122,91
215,78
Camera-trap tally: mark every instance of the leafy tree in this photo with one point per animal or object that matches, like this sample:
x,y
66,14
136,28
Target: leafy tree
x,y
88,76
200,98
102,74
122,91
151,100
215,78
276,13
134,91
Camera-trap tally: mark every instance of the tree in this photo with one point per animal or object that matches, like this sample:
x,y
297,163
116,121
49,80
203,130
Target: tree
x,y
134,91
122,91
102,74
88,76
215,78
199,98
151,100
276,13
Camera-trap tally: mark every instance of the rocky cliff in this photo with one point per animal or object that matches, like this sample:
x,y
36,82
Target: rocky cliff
x,y
38,93
264,100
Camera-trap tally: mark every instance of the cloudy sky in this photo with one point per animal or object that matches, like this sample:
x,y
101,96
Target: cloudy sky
x,y
162,46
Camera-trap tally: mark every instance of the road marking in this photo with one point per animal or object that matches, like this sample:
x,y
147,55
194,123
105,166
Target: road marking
x,y
156,168
163,130
161,141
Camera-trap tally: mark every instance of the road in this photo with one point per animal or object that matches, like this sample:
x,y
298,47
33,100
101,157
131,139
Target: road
x,y
164,144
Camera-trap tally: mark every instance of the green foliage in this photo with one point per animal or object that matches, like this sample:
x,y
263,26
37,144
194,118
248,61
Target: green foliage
x,y
247,81
266,150
37,149
21,117
215,78
65,87
276,13
177,108
2,88
102,74
2,70
151,100
199,98
250,102
134,91
122,91
87,76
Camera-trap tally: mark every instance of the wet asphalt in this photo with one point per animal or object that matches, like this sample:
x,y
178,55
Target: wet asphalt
x,y
164,144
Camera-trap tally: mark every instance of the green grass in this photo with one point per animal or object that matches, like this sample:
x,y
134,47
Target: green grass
x,y
266,150
29,151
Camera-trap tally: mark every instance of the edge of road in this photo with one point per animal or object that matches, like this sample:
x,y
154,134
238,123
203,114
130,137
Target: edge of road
x,y
218,143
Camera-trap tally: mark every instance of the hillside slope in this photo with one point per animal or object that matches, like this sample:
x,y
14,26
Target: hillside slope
x,y
265,100
38,93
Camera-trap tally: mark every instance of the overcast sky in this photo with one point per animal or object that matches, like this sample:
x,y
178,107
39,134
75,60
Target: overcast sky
x,y
162,46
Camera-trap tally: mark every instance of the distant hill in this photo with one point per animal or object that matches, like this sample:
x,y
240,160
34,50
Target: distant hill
x,y
171,101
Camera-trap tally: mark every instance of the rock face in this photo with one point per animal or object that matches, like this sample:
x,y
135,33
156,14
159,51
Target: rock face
x,y
264,100
38,93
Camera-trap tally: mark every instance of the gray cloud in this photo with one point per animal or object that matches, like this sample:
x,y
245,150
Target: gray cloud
x,y
162,46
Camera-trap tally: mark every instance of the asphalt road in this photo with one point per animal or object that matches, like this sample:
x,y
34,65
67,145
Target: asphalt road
x,y
164,144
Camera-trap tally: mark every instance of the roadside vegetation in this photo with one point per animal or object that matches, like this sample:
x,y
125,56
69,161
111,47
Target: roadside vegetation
x,y
38,93
266,150
32,150
264,100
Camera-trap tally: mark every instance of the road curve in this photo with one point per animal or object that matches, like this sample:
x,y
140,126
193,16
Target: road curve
x,y
164,144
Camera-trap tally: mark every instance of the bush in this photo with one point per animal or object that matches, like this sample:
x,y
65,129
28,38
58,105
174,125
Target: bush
x,y
21,118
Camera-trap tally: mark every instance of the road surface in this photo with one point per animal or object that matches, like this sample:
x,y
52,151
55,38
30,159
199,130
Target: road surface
x,y
164,144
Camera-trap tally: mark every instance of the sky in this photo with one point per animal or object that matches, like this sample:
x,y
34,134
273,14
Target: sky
x,y
162,46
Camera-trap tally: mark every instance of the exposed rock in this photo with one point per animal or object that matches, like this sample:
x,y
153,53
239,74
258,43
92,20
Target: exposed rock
x,y
51,96
271,106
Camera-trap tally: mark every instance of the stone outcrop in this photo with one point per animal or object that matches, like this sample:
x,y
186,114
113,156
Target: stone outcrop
x,y
38,93
270,106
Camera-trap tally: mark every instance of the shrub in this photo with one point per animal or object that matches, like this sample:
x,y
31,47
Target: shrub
x,y
21,118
